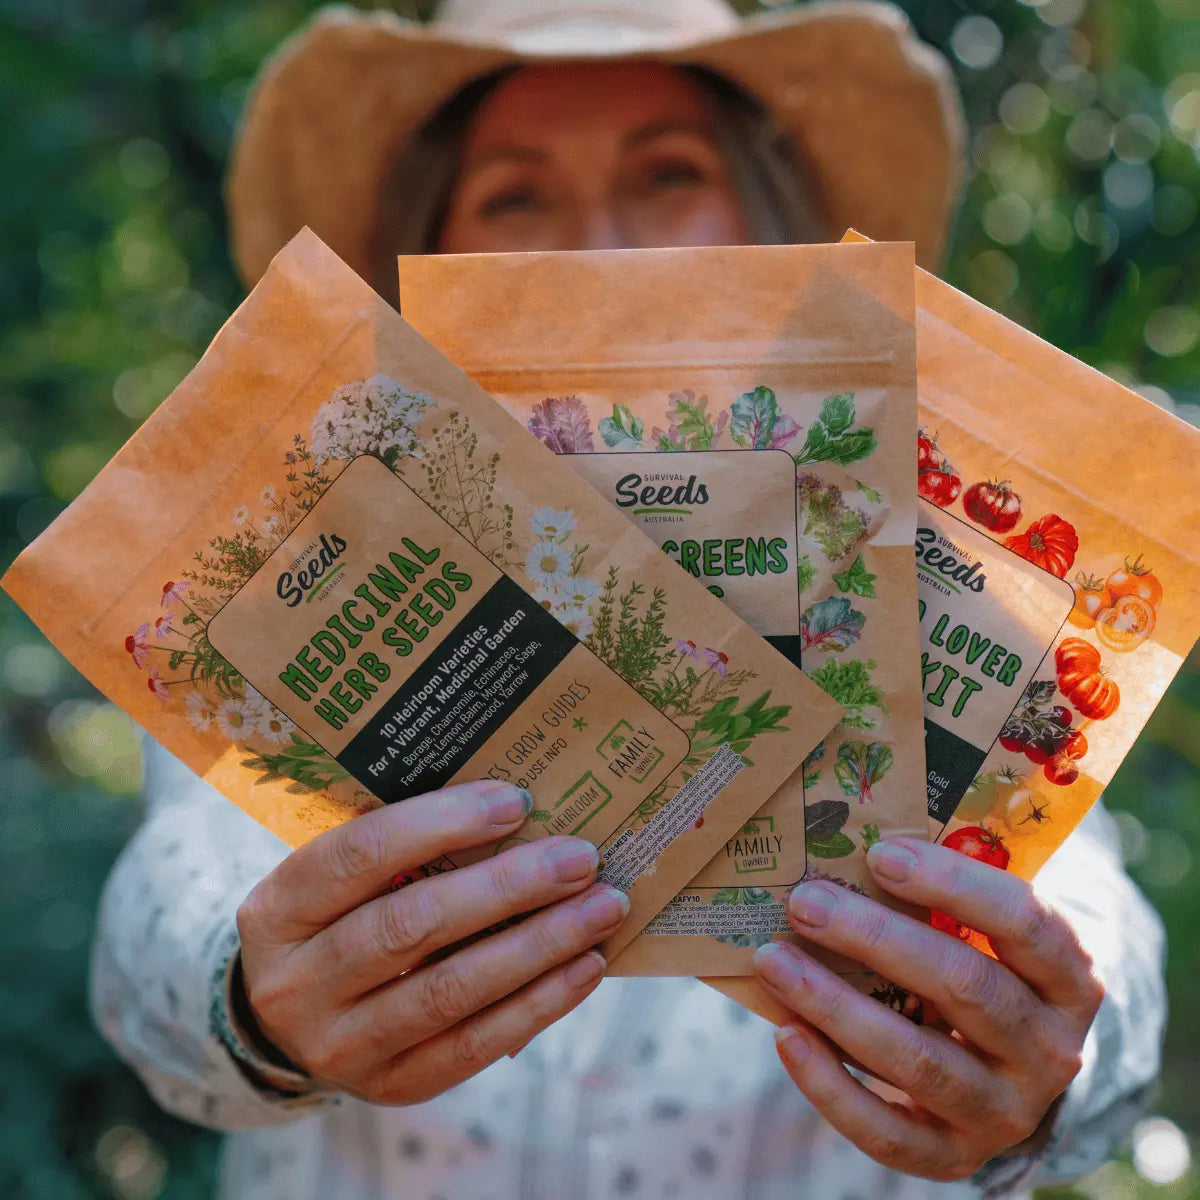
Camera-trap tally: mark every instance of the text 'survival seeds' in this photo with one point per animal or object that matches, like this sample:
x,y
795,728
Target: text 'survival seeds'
x,y
321,575
751,410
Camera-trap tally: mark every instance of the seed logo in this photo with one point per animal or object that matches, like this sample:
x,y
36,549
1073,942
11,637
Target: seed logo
x,y
939,560
667,494
311,569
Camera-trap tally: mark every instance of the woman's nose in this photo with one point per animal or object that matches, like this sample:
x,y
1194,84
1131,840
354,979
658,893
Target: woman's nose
x,y
599,229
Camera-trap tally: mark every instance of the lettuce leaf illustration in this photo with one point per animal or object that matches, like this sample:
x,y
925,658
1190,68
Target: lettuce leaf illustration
x,y
757,422
825,517
830,437
823,824
690,426
849,683
857,579
622,431
831,625
860,765
563,425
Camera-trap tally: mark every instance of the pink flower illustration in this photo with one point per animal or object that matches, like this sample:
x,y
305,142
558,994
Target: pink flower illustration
x,y
162,625
172,591
157,684
717,661
683,646
138,645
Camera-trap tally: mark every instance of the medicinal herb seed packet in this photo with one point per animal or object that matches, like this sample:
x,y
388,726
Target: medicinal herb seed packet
x,y
330,572
750,410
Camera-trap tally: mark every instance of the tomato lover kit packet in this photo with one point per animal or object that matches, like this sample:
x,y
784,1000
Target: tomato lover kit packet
x,y
1059,559
751,410
316,574
1058,552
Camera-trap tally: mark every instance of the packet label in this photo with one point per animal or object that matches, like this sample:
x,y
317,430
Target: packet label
x,y
725,518
988,619
416,662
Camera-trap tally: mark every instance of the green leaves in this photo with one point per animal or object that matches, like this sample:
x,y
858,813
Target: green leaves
x,y
742,896
806,572
831,625
850,684
830,437
757,424
622,431
823,824
857,580
870,835
826,519
860,765
303,762
690,426
722,723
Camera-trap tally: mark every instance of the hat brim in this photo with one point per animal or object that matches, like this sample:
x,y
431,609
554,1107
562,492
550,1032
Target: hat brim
x,y
874,112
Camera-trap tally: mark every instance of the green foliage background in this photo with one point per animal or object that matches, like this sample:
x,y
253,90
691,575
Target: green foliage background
x,y
1079,221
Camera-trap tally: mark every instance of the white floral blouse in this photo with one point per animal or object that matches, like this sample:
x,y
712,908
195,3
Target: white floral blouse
x,y
651,1088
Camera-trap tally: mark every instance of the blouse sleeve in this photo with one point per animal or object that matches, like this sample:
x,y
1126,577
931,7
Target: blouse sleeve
x,y
1086,881
166,946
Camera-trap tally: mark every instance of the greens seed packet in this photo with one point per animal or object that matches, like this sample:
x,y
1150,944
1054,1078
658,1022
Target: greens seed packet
x,y
355,579
751,410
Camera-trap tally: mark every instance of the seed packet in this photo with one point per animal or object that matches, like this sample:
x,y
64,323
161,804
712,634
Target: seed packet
x,y
749,409
316,575
1058,550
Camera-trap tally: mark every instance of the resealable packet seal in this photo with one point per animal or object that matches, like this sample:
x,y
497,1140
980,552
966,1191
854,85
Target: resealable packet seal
x,y
314,575
751,409
1071,504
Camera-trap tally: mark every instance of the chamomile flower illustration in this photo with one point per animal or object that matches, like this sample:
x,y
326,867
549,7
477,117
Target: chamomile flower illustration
x,y
200,711
580,592
553,524
241,515
236,719
274,726
577,621
549,565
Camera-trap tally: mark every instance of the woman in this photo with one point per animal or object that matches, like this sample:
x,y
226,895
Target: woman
x,y
284,993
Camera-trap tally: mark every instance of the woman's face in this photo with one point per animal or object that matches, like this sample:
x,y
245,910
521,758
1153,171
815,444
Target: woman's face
x,y
592,156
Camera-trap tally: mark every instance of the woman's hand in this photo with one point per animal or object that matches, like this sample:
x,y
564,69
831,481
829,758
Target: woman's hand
x,y
333,961
1019,1023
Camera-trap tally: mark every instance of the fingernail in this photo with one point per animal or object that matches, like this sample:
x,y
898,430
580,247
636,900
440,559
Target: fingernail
x,y
791,1043
777,964
605,907
572,859
892,860
813,903
585,969
504,804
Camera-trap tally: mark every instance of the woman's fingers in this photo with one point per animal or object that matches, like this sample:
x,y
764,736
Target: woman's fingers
x,y
939,1073
448,1058
395,932
349,865
981,998
890,1134
436,997
1025,932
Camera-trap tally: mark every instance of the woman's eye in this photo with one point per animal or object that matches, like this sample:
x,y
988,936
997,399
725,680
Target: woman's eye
x,y
509,201
676,174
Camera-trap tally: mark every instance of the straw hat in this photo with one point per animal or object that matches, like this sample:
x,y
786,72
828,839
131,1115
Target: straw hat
x,y
874,111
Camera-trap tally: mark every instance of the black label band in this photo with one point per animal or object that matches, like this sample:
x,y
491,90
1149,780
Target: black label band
x,y
488,664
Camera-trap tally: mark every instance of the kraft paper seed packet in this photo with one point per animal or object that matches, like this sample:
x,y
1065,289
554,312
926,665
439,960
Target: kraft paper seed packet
x,y
336,598
751,410
1058,553
1058,548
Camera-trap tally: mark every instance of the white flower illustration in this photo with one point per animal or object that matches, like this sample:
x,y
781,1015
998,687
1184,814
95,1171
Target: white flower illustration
x,y
548,598
275,726
549,565
236,719
241,515
576,620
552,524
200,711
267,495
580,592
256,701
370,416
